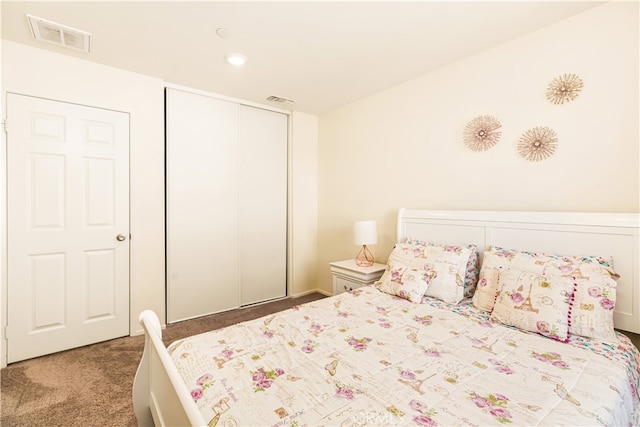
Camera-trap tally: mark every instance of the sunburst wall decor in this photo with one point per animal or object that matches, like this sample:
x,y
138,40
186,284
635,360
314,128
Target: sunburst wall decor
x,y
564,88
537,143
482,133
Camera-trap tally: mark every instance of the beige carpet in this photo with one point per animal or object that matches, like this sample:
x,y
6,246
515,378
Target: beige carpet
x,y
91,386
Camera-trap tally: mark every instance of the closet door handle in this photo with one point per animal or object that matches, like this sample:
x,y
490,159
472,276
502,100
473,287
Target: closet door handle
x,y
120,238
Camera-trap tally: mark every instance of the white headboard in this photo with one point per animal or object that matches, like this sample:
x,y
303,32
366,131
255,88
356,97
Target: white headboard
x,y
560,233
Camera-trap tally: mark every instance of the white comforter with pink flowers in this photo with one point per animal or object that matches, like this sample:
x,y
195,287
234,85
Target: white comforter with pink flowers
x,y
367,358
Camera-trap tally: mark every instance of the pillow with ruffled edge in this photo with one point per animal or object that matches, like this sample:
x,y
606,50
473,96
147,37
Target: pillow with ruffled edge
x,y
595,295
448,262
405,282
594,302
472,268
535,303
497,258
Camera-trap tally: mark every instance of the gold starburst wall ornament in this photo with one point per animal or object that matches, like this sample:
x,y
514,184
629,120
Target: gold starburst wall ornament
x,y
564,88
482,133
537,144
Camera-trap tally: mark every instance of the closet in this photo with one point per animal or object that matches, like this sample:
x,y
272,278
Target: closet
x,y
226,204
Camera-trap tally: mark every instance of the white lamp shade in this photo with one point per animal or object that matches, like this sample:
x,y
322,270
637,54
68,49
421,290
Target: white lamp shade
x,y
364,233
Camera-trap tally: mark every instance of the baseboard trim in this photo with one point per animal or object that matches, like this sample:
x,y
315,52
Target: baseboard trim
x,y
313,291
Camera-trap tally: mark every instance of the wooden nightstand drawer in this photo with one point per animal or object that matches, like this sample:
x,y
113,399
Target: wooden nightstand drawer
x,y
348,276
342,284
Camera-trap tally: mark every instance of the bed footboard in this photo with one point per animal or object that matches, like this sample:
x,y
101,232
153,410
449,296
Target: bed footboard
x,y
160,396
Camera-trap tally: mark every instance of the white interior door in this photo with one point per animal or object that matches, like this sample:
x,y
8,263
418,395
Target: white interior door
x,y
263,204
68,226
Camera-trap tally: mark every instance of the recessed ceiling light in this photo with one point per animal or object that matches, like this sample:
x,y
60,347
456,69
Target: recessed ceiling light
x,y
222,32
236,59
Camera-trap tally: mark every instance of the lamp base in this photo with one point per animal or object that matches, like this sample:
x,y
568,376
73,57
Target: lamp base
x,y
364,257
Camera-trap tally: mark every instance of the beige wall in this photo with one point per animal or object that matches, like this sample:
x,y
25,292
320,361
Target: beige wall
x,y
303,212
403,147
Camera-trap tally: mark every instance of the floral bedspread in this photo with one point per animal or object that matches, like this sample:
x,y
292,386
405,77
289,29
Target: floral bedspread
x,y
367,358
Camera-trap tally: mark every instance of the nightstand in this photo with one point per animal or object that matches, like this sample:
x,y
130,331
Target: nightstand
x,y
348,276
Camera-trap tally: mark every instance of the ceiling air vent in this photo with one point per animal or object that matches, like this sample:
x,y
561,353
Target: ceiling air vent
x,y
280,100
59,34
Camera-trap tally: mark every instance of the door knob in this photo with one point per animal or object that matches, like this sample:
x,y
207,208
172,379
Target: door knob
x,y
120,237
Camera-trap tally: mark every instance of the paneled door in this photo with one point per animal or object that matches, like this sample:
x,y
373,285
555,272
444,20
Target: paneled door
x,y
67,226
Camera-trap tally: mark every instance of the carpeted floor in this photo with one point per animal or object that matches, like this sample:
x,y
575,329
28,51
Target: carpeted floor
x,y
91,386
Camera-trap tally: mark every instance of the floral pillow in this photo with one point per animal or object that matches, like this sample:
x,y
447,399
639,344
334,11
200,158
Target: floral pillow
x,y
472,269
405,282
595,279
535,303
447,265
496,259
594,302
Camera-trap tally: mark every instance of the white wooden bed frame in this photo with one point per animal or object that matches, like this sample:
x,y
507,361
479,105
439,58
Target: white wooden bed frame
x,y
160,396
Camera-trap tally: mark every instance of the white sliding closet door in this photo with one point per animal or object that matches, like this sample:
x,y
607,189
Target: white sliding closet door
x,y
263,204
226,205
202,205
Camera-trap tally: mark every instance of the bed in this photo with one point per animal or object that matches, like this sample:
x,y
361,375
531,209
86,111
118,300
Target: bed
x,y
481,318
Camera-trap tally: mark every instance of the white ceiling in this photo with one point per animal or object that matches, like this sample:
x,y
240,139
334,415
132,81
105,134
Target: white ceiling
x,y
322,54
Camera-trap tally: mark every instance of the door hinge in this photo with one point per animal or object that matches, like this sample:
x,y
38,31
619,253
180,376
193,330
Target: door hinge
x,y
5,125
6,332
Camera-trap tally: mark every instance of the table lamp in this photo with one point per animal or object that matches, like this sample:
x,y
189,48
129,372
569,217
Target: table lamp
x,y
364,233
